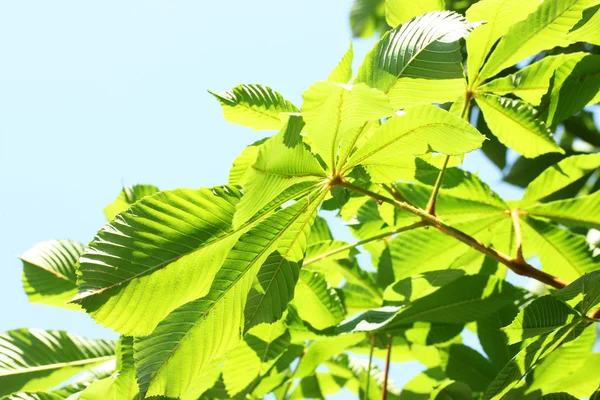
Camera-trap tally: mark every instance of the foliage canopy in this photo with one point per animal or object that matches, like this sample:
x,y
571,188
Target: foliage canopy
x,y
241,290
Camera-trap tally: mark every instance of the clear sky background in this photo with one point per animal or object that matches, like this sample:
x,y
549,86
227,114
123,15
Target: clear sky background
x,y
94,95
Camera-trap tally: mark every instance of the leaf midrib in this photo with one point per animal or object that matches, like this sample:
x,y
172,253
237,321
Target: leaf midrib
x,y
56,366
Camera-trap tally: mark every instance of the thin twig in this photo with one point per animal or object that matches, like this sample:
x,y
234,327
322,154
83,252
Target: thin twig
x,y
320,257
436,189
518,267
464,114
514,215
372,345
387,369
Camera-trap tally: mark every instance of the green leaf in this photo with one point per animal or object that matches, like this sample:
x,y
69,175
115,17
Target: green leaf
x,y
420,251
161,253
203,330
242,164
33,396
399,11
532,82
464,299
544,315
515,125
462,363
574,88
367,17
585,290
49,275
283,161
417,131
253,356
559,176
582,382
37,360
336,114
581,211
323,349
419,62
318,303
122,385
561,252
588,29
255,106
128,196
545,28
526,360
558,396
566,360
342,73
84,379
493,339
499,16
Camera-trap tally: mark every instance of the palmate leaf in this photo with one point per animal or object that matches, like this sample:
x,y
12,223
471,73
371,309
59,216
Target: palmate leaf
x,y
49,275
367,17
283,162
532,82
335,115
242,163
493,340
542,316
588,29
128,196
419,251
420,61
544,28
499,16
573,88
561,252
464,364
464,299
122,384
462,197
399,11
38,360
342,73
255,106
323,349
582,382
527,359
515,125
581,211
559,176
584,293
83,380
318,303
566,360
33,396
253,356
201,331
419,130
161,253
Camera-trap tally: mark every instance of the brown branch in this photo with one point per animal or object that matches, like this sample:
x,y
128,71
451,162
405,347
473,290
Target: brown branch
x,y
436,189
518,267
386,372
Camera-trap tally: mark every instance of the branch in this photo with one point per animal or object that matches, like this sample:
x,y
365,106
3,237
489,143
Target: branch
x,y
518,267
387,370
372,345
364,241
438,183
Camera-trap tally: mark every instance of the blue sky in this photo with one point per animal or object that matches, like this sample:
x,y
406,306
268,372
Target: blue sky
x,y
94,95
